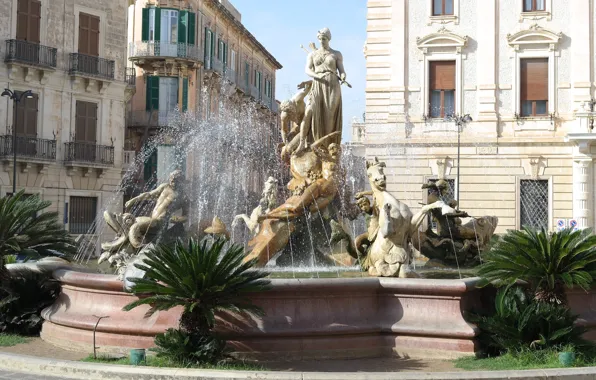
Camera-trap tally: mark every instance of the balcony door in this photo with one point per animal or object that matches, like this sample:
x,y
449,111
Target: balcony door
x,y
88,43
25,114
28,30
169,33
168,98
85,146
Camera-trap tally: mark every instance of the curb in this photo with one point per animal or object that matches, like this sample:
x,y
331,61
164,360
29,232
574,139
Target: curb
x,y
92,371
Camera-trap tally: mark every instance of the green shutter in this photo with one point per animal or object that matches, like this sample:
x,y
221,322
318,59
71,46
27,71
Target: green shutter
x,y
208,47
150,167
145,30
184,94
152,96
157,34
225,54
191,27
220,50
182,26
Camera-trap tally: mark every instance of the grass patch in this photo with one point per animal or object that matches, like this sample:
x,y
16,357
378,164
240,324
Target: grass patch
x,y
154,361
7,340
525,359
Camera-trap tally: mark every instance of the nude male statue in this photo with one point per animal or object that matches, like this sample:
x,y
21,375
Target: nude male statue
x,y
169,199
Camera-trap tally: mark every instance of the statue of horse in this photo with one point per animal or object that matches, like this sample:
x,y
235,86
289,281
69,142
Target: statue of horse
x,y
390,253
267,203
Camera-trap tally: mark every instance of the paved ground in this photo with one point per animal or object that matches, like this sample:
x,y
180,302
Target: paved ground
x,y
24,376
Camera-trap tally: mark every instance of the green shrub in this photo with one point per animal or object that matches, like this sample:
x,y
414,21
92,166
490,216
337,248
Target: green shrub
x,y
203,278
548,262
25,229
521,323
23,295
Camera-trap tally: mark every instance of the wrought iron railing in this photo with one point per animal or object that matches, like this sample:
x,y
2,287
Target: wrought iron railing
x,y
255,93
30,53
88,152
31,147
156,118
214,64
81,64
230,74
130,76
143,49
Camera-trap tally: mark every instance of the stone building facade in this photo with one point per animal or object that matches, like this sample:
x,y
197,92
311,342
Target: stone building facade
x,y
195,56
523,70
69,136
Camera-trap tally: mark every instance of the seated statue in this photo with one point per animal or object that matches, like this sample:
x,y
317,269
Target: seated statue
x,y
292,112
266,204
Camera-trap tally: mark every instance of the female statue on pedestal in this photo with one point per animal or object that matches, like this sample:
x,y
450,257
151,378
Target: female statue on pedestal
x,y
323,113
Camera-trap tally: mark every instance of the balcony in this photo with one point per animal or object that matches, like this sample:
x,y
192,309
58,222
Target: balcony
x,y
255,93
145,52
130,76
89,66
88,156
230,75
30,54
152,119
214,65
30,151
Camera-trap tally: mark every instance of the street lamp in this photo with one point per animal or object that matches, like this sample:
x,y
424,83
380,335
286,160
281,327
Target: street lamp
x,y
459,121
16,97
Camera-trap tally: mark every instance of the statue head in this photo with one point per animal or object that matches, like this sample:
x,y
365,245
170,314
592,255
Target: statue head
x,y
442,185
364,204
334,150
270,185
176,178
324,35
376,175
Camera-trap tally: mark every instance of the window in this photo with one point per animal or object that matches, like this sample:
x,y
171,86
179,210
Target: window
x,y
441,88
88,34
168,93
534,5
233,60
222,52
169,27
25,113
209,48
246,74
442,7
268,91
82,215
258,81
534,86
28,20
533,203
85,132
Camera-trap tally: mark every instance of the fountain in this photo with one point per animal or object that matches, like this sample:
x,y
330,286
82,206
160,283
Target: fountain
x,y
374,315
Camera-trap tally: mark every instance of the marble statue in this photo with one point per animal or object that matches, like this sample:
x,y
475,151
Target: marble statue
x,y
453,242
394,225
134,235
266,204
323,114
217,229
292,112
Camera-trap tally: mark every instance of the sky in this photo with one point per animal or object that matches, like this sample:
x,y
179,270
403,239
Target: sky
x,y
283,25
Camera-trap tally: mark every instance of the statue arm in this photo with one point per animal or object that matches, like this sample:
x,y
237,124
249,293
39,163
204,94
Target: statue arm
x,y
146,196
340,66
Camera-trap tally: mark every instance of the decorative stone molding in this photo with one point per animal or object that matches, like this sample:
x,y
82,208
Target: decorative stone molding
x,y
534,35
442,38
441,167
534,166
486,150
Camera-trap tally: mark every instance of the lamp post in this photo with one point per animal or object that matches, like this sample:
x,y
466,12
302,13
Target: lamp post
x,y
459,121
16,97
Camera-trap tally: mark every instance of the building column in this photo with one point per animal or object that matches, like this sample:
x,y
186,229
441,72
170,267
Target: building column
x,y
399,45
581,50
582,192
486,66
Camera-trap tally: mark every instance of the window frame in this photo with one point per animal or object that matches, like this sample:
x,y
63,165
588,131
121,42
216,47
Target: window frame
x,y
443,7
533,114
532,16
533,6
70,213
458,81
102,26
518,198
43,23
442,18
552,96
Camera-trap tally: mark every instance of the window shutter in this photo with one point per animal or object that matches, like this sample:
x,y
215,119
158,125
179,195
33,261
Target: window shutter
x,y
34,21
145,30
442,75
220,50
182,26
20,114
191,28
83,33
184,94
152,96
157,36
94,36
91,123
80,115
22,19
246,73
150,166
30,125
534,79
208,45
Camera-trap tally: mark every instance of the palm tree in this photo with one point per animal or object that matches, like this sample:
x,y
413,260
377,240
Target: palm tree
x,y
25,229
547,262
203,278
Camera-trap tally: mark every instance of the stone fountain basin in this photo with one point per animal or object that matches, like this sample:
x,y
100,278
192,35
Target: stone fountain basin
x,y
304,318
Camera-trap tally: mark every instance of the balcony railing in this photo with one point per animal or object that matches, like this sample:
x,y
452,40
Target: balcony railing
x,y
255,93
130,76
30,53
155,118
214,64
144,49
88,152
30,147
81,64
230,75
